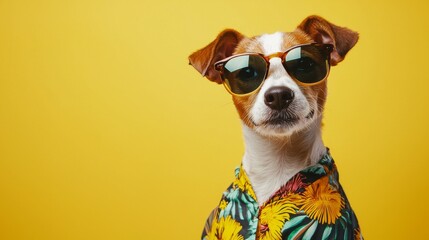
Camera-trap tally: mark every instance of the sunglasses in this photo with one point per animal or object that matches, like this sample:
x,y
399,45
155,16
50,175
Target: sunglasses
x,y
307,64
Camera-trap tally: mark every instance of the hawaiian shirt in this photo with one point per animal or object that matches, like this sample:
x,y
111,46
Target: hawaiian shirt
x,y
311,205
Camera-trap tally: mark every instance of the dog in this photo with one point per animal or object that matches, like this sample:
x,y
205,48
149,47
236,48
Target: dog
x,y
287,185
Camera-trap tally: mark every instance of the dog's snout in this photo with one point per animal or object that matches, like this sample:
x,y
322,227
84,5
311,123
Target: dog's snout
x,y
278,98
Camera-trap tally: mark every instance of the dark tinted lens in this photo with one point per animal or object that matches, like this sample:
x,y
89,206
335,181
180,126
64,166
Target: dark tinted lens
x,y
307,64
244,74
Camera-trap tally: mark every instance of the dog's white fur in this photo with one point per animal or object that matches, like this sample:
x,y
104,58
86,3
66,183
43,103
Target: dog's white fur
x,y
267,160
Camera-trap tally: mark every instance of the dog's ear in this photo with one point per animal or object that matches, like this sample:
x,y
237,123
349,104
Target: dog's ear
x,y
222,47
322,31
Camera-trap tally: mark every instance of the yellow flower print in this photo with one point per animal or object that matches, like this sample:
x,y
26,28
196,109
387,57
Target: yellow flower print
x,y
322,202
243,183
223,204
272,218
225,229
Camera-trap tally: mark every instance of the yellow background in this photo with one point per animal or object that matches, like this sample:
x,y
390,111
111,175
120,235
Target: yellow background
x,y
107,133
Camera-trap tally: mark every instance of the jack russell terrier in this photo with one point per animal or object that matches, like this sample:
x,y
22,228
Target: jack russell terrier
x,y
287,185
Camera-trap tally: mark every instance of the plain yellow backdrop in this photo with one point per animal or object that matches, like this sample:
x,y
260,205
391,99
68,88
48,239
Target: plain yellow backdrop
x,y
107,133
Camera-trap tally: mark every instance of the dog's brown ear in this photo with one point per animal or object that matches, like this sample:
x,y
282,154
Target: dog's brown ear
x,y
222,47
322,31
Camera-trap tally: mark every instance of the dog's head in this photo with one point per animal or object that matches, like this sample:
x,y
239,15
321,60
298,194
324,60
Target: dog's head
x,y
280,105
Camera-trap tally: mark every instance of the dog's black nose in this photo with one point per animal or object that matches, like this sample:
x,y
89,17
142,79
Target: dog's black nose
x,y
278,98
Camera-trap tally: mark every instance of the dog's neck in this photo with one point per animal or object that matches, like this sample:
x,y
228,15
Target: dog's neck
x,y
271,162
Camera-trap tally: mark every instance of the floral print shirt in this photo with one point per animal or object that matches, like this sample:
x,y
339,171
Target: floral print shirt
x,y
311,205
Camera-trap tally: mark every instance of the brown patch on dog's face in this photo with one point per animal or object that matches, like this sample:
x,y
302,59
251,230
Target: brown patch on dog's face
x,y
320,91
243,105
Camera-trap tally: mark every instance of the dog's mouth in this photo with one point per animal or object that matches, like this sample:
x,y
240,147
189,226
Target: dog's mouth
x,y
282,119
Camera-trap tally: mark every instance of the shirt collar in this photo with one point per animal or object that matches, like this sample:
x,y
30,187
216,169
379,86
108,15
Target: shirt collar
x,y
297,184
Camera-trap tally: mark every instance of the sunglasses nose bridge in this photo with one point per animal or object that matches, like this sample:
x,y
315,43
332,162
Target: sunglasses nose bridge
x,y
274,55
275,58
270,57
